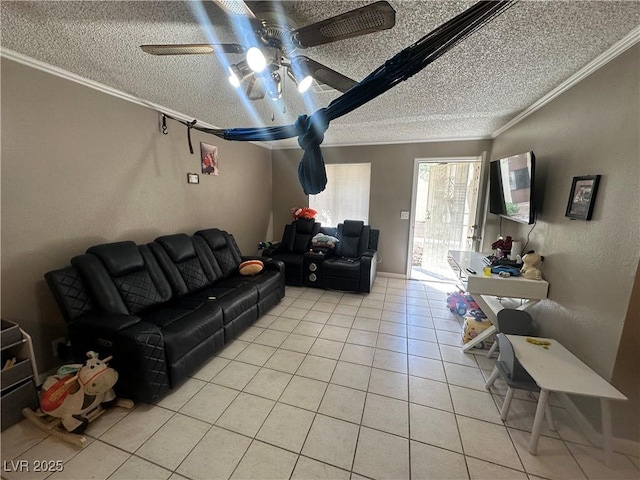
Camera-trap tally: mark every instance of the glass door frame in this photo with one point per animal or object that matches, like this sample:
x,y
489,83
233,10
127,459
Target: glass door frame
x,y
481,209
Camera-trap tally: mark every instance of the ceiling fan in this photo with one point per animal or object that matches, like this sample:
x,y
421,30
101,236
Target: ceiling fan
x,y
273,43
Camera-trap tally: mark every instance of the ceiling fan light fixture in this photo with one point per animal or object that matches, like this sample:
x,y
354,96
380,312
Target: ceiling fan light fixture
x,y
300,74
256,59
238,72
233,80
305,84
274,88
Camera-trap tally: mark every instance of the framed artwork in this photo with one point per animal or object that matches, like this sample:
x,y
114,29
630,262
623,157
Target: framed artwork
x,y
582,197
209,159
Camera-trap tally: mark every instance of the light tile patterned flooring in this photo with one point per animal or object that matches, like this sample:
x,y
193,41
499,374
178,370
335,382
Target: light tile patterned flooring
x,y
336,386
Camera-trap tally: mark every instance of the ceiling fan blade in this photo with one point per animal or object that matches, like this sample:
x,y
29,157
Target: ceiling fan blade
x,y
371,18
322,73
193,48
235,7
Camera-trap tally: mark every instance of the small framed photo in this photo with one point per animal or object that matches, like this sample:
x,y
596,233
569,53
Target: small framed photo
x,y
582,197
193,178
209,158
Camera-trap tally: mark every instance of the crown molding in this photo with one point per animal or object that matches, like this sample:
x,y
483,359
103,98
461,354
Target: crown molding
x,y
59,72
627,42
398,142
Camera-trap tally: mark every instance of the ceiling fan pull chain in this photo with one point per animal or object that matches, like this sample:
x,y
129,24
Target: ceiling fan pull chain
x,y
189,125
165,130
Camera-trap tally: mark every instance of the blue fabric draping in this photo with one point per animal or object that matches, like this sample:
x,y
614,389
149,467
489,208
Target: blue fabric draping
x,y
310,129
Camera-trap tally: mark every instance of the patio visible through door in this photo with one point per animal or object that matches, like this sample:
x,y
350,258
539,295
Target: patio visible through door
x,y
444,214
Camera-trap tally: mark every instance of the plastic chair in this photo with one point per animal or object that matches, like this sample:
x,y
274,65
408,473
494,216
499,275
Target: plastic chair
x,y
515,376
512,322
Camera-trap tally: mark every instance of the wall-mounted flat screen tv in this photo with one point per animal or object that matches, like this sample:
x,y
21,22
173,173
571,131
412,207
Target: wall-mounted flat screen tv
x,y
512,187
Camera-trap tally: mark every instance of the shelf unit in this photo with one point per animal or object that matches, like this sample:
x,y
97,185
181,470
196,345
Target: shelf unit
x,y
18,381
486,290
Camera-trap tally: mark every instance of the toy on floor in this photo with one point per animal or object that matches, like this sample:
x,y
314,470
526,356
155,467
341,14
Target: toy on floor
x,y
76,396
461,303
473,327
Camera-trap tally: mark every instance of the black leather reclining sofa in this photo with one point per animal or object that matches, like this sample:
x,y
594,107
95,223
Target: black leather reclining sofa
x,y
161,309
351,266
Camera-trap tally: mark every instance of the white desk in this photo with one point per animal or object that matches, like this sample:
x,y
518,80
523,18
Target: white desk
x,y
556,369
484,290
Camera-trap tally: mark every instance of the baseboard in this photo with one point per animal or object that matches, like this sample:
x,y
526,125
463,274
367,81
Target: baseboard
x,y
621,445
392,275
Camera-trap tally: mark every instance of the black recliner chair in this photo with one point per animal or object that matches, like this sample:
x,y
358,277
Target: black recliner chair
x,y
296,241
354,266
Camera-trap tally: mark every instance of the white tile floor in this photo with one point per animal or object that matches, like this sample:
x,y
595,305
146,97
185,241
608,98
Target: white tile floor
x,y
329,385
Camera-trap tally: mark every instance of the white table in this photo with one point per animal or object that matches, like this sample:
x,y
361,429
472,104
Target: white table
x,y
484,290
556,369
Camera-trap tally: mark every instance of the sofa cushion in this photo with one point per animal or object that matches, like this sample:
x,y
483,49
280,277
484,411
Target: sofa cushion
x,y
267,282
129,272
354,238
223,249
352,228
179,247
138,290
341,267
119,258
232,301
305,229
182,265
183,330
70,292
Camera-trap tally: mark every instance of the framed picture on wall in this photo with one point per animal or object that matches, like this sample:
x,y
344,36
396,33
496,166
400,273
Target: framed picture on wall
x,y
582,197
209,158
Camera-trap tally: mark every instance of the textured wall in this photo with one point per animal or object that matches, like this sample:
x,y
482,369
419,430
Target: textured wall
x,y
627,368
391,184
590,129
80,167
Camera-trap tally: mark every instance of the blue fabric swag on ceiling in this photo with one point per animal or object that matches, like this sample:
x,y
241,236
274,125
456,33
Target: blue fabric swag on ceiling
x,y
310,129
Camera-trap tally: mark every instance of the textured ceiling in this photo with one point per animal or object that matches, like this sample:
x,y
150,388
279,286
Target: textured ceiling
x,y
470,92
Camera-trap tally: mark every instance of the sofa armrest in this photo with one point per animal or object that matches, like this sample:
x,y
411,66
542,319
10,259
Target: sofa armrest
x,y
106,322
246,258
269,263
368,269
137,348
273,264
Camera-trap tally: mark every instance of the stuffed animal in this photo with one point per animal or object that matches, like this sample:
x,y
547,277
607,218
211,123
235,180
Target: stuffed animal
x,y
473,327
299,212
530,268
76,399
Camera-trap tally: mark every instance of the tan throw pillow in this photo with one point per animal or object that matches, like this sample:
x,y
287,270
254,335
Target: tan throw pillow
x,y
251,267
